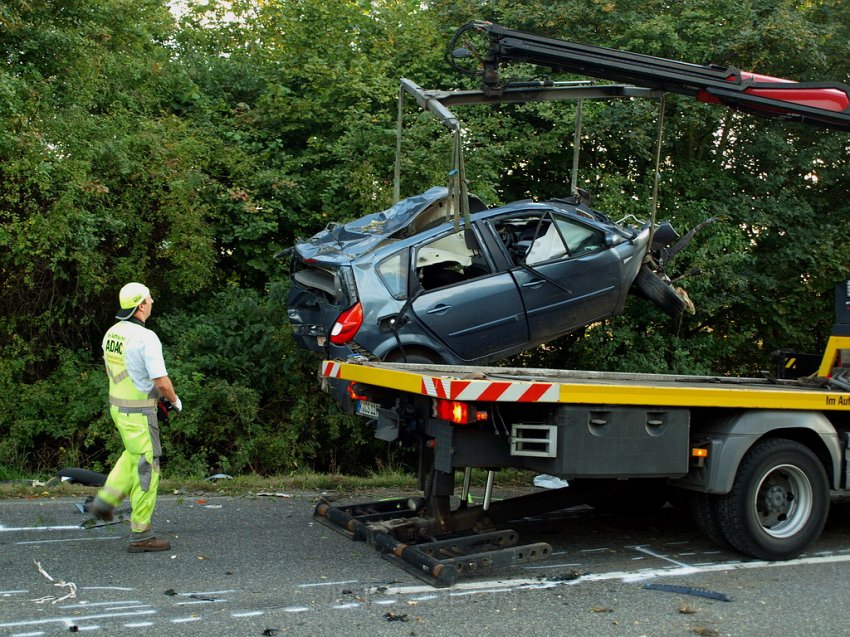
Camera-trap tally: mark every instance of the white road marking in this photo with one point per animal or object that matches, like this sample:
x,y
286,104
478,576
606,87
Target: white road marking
x,y
138,625
183,620
35,634
296,609
230,590
69,620
71,539
625,576
10,529
660,556
248,613
113,603
348,581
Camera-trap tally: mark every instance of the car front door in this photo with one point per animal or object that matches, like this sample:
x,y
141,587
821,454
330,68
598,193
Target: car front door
x,y
567,275
474,310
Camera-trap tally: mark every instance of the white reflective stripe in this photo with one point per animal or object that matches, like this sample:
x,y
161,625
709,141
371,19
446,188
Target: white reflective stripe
x,y
126,402
117,378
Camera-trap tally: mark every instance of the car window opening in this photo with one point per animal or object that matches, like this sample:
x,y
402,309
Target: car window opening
x,y
449,260
537,239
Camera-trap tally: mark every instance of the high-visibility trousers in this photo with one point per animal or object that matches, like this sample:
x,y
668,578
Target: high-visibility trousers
x,y
137,471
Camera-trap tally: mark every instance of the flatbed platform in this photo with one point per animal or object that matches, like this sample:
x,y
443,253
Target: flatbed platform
x,y
511,384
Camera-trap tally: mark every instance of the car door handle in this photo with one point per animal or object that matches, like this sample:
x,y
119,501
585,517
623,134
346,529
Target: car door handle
x,y
536,283
442,308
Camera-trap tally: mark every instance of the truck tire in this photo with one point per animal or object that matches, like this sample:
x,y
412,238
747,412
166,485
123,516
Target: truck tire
x,y
659,292
703,509
778,503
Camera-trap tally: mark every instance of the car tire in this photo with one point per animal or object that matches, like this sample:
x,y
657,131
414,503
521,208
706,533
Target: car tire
x,y
660,292
779,501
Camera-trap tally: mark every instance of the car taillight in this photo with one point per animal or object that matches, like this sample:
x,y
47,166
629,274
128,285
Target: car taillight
x,y
457,412
347,324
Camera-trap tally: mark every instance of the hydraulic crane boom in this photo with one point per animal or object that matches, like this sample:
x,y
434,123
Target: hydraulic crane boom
x,y
818,103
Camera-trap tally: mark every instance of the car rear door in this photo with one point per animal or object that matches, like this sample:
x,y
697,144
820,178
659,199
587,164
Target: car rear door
x,y
477,315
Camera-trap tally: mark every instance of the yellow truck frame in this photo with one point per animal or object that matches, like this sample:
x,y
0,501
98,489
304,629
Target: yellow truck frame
x,y
755,459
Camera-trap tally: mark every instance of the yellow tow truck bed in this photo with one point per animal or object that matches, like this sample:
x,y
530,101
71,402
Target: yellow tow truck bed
x,y
508,384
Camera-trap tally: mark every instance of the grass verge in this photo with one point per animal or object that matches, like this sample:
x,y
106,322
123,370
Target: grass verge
x,y
252,484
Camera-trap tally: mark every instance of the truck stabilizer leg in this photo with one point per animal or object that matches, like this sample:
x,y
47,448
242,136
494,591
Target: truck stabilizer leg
x,y
413,540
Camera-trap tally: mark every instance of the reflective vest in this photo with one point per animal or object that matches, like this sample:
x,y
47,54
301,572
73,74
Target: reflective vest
x,y
122,392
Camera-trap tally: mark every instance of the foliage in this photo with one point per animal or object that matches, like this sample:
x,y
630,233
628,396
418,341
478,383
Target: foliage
x,y
187,151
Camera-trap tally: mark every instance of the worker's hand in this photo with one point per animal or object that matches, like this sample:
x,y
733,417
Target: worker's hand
x,y
177,404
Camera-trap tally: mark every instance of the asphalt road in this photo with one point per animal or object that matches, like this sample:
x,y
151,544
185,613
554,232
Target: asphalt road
x,y
262,566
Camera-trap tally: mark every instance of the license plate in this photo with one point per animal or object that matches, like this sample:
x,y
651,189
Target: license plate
x,y
366,408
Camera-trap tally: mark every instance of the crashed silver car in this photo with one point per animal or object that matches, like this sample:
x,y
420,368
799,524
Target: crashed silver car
x,y
409,285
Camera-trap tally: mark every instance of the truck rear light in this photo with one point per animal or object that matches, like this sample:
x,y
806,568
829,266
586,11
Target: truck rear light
x,y
347,324
354,390
457,412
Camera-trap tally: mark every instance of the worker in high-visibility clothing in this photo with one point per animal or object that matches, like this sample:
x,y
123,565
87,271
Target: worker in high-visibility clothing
x,y
137,381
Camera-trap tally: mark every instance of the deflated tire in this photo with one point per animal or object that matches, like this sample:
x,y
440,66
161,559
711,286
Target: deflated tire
x,y
669,298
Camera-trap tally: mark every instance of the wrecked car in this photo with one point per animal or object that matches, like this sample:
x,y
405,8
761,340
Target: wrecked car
x,y
408,285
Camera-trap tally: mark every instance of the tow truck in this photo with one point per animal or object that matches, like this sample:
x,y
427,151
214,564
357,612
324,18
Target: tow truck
x,y
756,459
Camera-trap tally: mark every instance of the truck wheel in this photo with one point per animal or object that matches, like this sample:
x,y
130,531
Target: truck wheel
x,y
660,292
703,508
778,503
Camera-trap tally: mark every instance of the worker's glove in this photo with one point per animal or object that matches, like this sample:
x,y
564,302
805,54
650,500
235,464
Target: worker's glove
x,y
166,405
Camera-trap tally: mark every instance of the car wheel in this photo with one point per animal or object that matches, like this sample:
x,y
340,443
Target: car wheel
x,y
662,293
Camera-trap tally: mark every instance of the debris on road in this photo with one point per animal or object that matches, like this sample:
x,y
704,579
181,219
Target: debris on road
x,y
275,495
396,617
72,588
549,482
219,476
688,590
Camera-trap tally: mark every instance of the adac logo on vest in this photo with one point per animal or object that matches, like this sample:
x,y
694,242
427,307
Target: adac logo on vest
x,y
114,346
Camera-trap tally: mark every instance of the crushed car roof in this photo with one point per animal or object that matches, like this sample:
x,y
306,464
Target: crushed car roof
x,y
339,243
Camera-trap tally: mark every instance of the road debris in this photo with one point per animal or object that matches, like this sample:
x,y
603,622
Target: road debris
x,y
549,482
72,588
688,590
219,476
396,617
274,495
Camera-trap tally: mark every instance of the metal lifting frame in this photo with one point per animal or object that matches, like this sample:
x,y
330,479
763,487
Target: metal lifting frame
x,y
437,103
